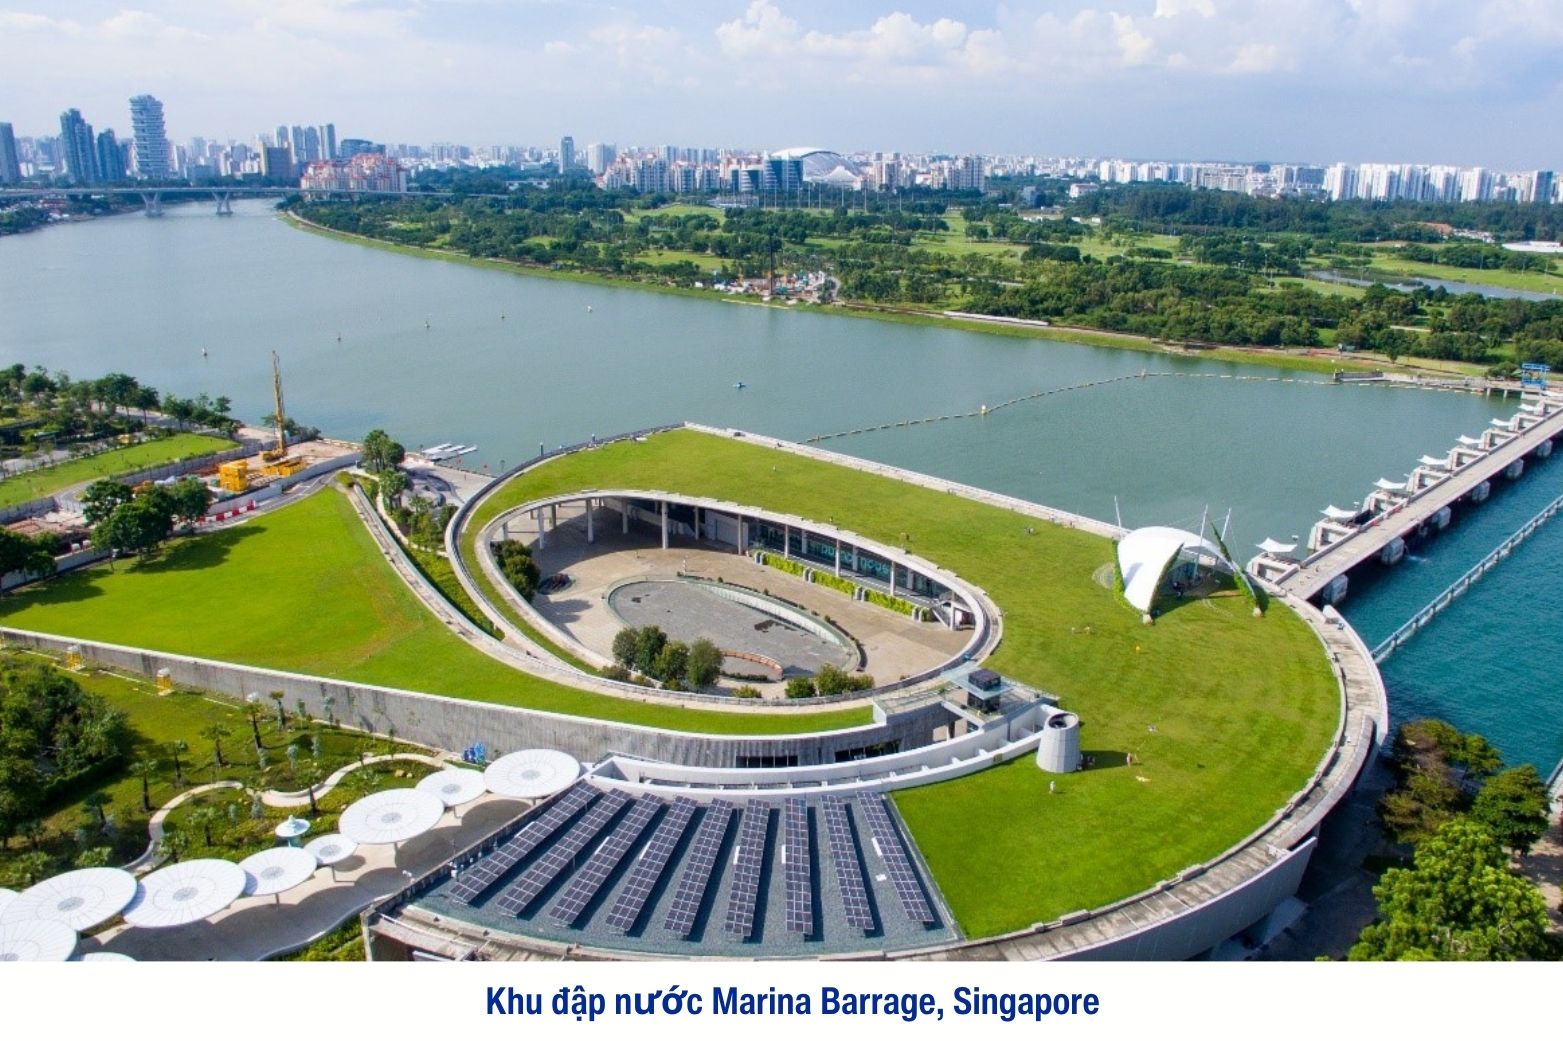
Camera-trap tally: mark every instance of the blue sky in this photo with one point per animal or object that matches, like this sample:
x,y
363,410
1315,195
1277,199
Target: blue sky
x,y
1467,81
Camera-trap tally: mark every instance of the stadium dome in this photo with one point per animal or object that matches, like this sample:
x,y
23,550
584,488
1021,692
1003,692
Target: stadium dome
x,y
821,166
1148,556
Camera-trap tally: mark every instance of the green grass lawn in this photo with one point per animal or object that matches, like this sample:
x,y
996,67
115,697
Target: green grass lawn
x,y
114,463
305,589
1243,708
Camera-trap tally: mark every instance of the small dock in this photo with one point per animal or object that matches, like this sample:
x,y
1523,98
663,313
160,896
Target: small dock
x,y
1394,511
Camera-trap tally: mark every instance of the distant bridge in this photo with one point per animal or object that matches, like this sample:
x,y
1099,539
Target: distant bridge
x,y
223,195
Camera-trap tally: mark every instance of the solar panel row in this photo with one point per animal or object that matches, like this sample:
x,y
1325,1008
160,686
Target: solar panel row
x,y
843,854
747,867
799,874
903,877
525,889
653,861
698,862
584,886
482,876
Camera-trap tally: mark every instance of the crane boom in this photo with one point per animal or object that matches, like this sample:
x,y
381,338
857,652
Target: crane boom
x,y
276,389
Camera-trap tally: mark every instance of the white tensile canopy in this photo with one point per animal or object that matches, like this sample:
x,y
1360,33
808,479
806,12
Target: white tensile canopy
x,y
1276,548
37,940
390,817
1384,484
1335,513
6,896
80,899
1145,554
277,870
454,786
532,773
105,956
331,849
1470,442
1434,461
186,892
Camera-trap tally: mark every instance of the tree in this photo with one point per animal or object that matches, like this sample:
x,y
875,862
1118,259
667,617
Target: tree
x,y
175,750
204,817
1513,806
97,856
28,555
144,770
649,641
215,734
625,647
831,680
252,712
392,484
30,869
138,526
671,662
282,716
101,499
1457,902
97,804
1420,806
380,453
704,665
311,774
190,499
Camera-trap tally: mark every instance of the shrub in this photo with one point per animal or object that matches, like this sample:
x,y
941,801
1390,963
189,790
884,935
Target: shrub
x,y
746,691
791,567
516,564
616,672
843,585
800,687
830,680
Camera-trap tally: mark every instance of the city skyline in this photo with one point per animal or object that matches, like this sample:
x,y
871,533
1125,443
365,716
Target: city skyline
x,y
1312,80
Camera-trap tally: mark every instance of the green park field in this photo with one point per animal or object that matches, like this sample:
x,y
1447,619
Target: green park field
x,y
116,462
1243,709
305,589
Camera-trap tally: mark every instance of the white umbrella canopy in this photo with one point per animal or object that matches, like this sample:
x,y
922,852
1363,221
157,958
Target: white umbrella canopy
x,y
532,773
454,786
105,956
391,817
80,899
186,892
6,896
331,849
277,870
37,940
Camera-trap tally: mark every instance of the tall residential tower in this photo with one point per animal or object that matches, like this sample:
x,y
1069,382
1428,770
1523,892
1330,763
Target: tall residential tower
x,y
146,123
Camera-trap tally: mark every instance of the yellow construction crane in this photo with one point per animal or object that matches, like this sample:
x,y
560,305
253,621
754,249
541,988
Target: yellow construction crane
x,y
278,462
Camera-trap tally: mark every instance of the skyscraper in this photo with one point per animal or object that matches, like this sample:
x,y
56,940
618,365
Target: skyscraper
x,y
566,153
10,162
146,123
328,141
76,143
111,161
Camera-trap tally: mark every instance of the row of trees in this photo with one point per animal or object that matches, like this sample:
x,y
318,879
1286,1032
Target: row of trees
x,y
1459,897
676,665
127,523
828,681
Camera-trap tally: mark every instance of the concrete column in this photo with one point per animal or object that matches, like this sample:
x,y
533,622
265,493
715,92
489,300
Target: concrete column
x,y
624,515
591,527
542,528
786,541
664,524
838,558
743,535
892,578
553,516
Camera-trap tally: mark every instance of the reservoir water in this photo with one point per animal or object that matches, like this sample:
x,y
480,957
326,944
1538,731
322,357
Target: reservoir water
x,y
437,352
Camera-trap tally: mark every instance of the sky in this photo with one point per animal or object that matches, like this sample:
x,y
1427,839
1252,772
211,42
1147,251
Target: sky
x,y
1460,81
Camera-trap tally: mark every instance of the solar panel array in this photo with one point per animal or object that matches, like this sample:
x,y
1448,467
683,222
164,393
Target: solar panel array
x,y
605,860
902,875
653,861
798,862
561,855
698,862
843,853
482,876
747,866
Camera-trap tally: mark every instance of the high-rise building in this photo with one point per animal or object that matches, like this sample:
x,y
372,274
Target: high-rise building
x,y
76,144
566,153
328,141
146,123
10,162
599,157
352,146
111,161
276,163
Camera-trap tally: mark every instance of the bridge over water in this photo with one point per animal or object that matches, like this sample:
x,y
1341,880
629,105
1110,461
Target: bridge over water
x,y
222,194
1395,512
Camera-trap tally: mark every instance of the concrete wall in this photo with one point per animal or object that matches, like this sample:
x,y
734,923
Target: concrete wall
x,y
452,724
